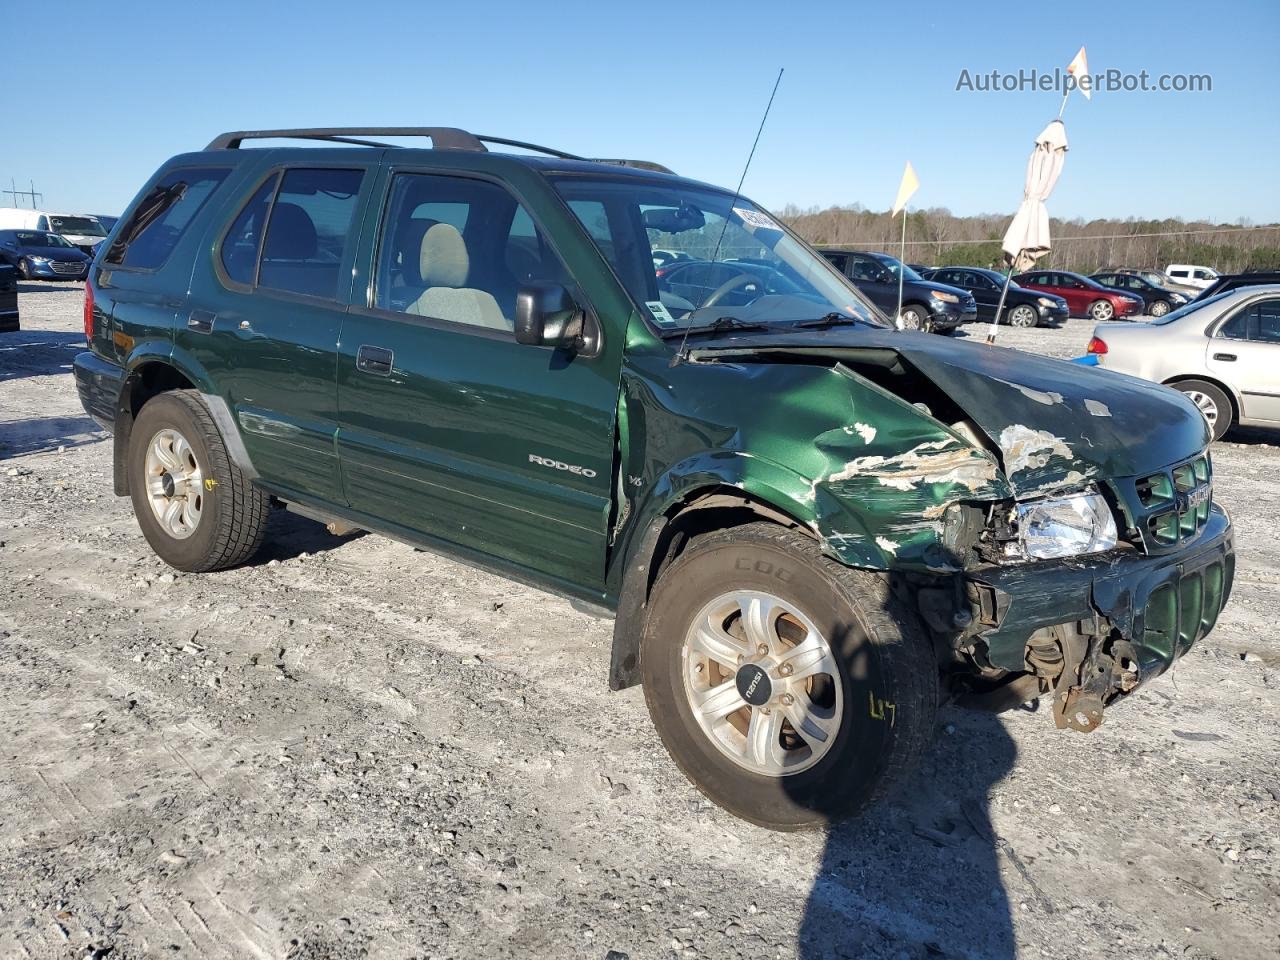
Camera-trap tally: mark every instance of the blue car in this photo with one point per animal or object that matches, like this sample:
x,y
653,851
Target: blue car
x,y
43,256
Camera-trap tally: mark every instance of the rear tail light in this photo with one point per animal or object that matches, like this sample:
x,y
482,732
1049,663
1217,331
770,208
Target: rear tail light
x,y
662,272
88,312
1097,346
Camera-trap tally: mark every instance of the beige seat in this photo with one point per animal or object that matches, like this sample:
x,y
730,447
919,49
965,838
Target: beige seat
x,y
444,266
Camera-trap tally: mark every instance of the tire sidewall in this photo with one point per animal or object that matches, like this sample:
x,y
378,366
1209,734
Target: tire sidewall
x,y
191,553
849,773
1226,412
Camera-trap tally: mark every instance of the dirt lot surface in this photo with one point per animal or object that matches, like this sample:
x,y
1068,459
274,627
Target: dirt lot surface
x,y
353,749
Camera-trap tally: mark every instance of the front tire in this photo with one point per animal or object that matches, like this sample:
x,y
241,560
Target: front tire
x,y
1102,310
1022,316
24,268
1160,308
195,507
791,690
916,317
1213,404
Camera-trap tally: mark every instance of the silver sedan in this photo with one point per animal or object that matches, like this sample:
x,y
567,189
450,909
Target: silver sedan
x,y
1223,353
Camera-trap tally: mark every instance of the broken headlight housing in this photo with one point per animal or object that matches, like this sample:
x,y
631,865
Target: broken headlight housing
x,y
1067,526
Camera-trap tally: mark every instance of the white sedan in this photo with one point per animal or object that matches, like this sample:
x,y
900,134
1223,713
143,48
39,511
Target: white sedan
x,y
1223,353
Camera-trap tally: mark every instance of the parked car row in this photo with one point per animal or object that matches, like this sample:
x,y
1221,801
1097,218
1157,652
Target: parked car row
x,y
84,232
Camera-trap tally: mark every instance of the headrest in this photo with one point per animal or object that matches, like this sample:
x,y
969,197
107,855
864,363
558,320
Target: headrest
x,y
291,235
443,261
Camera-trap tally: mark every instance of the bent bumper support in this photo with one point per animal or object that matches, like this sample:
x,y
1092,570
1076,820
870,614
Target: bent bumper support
x,y
1117,621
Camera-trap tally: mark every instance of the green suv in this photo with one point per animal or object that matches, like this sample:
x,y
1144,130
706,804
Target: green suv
x,y
812,528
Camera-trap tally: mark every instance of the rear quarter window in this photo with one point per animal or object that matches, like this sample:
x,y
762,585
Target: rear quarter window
x,y
162,216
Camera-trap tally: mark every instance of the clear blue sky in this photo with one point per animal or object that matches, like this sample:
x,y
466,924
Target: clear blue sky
x,y
867,86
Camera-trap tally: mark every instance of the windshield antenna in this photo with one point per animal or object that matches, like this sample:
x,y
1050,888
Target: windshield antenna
x,y
681,354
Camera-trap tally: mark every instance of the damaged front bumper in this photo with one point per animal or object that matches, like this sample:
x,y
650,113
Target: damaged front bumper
x,y
1089,630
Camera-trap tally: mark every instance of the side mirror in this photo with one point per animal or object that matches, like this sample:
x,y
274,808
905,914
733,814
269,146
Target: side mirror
x,y
546,316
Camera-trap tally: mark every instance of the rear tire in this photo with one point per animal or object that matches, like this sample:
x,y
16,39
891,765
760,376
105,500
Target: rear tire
x,y
865,699
1212,402
196,508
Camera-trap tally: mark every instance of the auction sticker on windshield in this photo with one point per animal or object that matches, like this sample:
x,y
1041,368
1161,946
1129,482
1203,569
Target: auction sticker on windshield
x,y
660,313
754,218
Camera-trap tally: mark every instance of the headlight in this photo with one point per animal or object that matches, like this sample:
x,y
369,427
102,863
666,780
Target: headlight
x,y
943,296
1177,298
38,259
1064,527
1046,302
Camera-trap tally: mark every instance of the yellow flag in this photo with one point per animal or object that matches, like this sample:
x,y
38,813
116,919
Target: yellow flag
x,y
909,185
1079,68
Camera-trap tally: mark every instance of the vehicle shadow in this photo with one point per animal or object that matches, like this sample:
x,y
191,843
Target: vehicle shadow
x,y
290,535
37,353
20,438
49,286
919,874
1253,436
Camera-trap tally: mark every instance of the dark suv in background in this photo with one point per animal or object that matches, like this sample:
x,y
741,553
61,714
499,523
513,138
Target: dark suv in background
x,y
1159,300
928,306
1022,307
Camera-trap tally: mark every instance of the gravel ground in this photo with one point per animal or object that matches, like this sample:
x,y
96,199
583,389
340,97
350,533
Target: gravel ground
x,y
353,749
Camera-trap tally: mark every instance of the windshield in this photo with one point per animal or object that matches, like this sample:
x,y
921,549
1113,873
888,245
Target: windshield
x,y
35,238
896,267
1191,307
77,226
730,261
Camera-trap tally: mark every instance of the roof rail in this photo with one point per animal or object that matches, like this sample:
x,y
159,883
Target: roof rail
x,y
442,138
636,164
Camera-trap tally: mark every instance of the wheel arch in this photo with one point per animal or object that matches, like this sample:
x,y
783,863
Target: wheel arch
x,y
713,506
1207,378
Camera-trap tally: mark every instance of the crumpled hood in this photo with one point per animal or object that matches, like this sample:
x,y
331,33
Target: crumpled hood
x,y
1055,424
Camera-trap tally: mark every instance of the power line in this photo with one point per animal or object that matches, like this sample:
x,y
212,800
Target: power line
x,y
1059,239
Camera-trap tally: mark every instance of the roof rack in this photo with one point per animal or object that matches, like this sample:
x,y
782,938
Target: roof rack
x,y
442,138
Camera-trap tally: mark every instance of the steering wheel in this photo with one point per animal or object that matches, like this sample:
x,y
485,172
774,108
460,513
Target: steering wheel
x,y
733,283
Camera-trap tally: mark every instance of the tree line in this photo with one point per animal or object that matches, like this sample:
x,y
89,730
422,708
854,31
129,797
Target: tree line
x,y
937,237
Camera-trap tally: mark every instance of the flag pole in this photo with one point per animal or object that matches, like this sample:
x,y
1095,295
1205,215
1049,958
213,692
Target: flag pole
x,y
902,264
1064,101
1004,292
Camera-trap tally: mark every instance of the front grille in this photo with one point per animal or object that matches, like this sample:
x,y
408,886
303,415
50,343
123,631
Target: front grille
x,y
1171,507
1180,612
60,266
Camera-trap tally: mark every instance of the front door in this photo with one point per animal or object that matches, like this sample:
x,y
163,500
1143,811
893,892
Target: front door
x,y
872,277
450,428
266,327
1245,352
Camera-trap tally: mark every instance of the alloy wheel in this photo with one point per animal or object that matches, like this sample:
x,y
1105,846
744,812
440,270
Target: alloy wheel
x,y
1159,308
1102,310
1207,405
175,483
913,319
762,683
1022,316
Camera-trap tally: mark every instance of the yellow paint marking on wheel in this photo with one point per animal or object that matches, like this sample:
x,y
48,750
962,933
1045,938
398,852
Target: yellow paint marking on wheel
x,y
210,483
877,708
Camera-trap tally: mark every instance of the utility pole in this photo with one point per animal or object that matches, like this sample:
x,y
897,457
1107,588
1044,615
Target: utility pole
x,y
14,192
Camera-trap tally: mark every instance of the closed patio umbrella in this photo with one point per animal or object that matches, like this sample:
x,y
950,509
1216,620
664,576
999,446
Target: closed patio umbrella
x,y
1027,239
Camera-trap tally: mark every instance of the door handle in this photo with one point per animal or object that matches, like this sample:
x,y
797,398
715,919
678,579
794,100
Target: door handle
x,y
1224,356
375,360
201,321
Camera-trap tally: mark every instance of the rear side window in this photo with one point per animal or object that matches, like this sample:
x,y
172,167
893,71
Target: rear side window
x,y
307,235
161,217
243,241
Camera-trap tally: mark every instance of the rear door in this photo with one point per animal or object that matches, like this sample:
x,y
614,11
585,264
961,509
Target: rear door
x,y
450,428
265,321
1245,352
984,291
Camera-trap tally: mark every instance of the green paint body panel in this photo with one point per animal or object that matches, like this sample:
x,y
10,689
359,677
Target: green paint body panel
x,y
447,447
